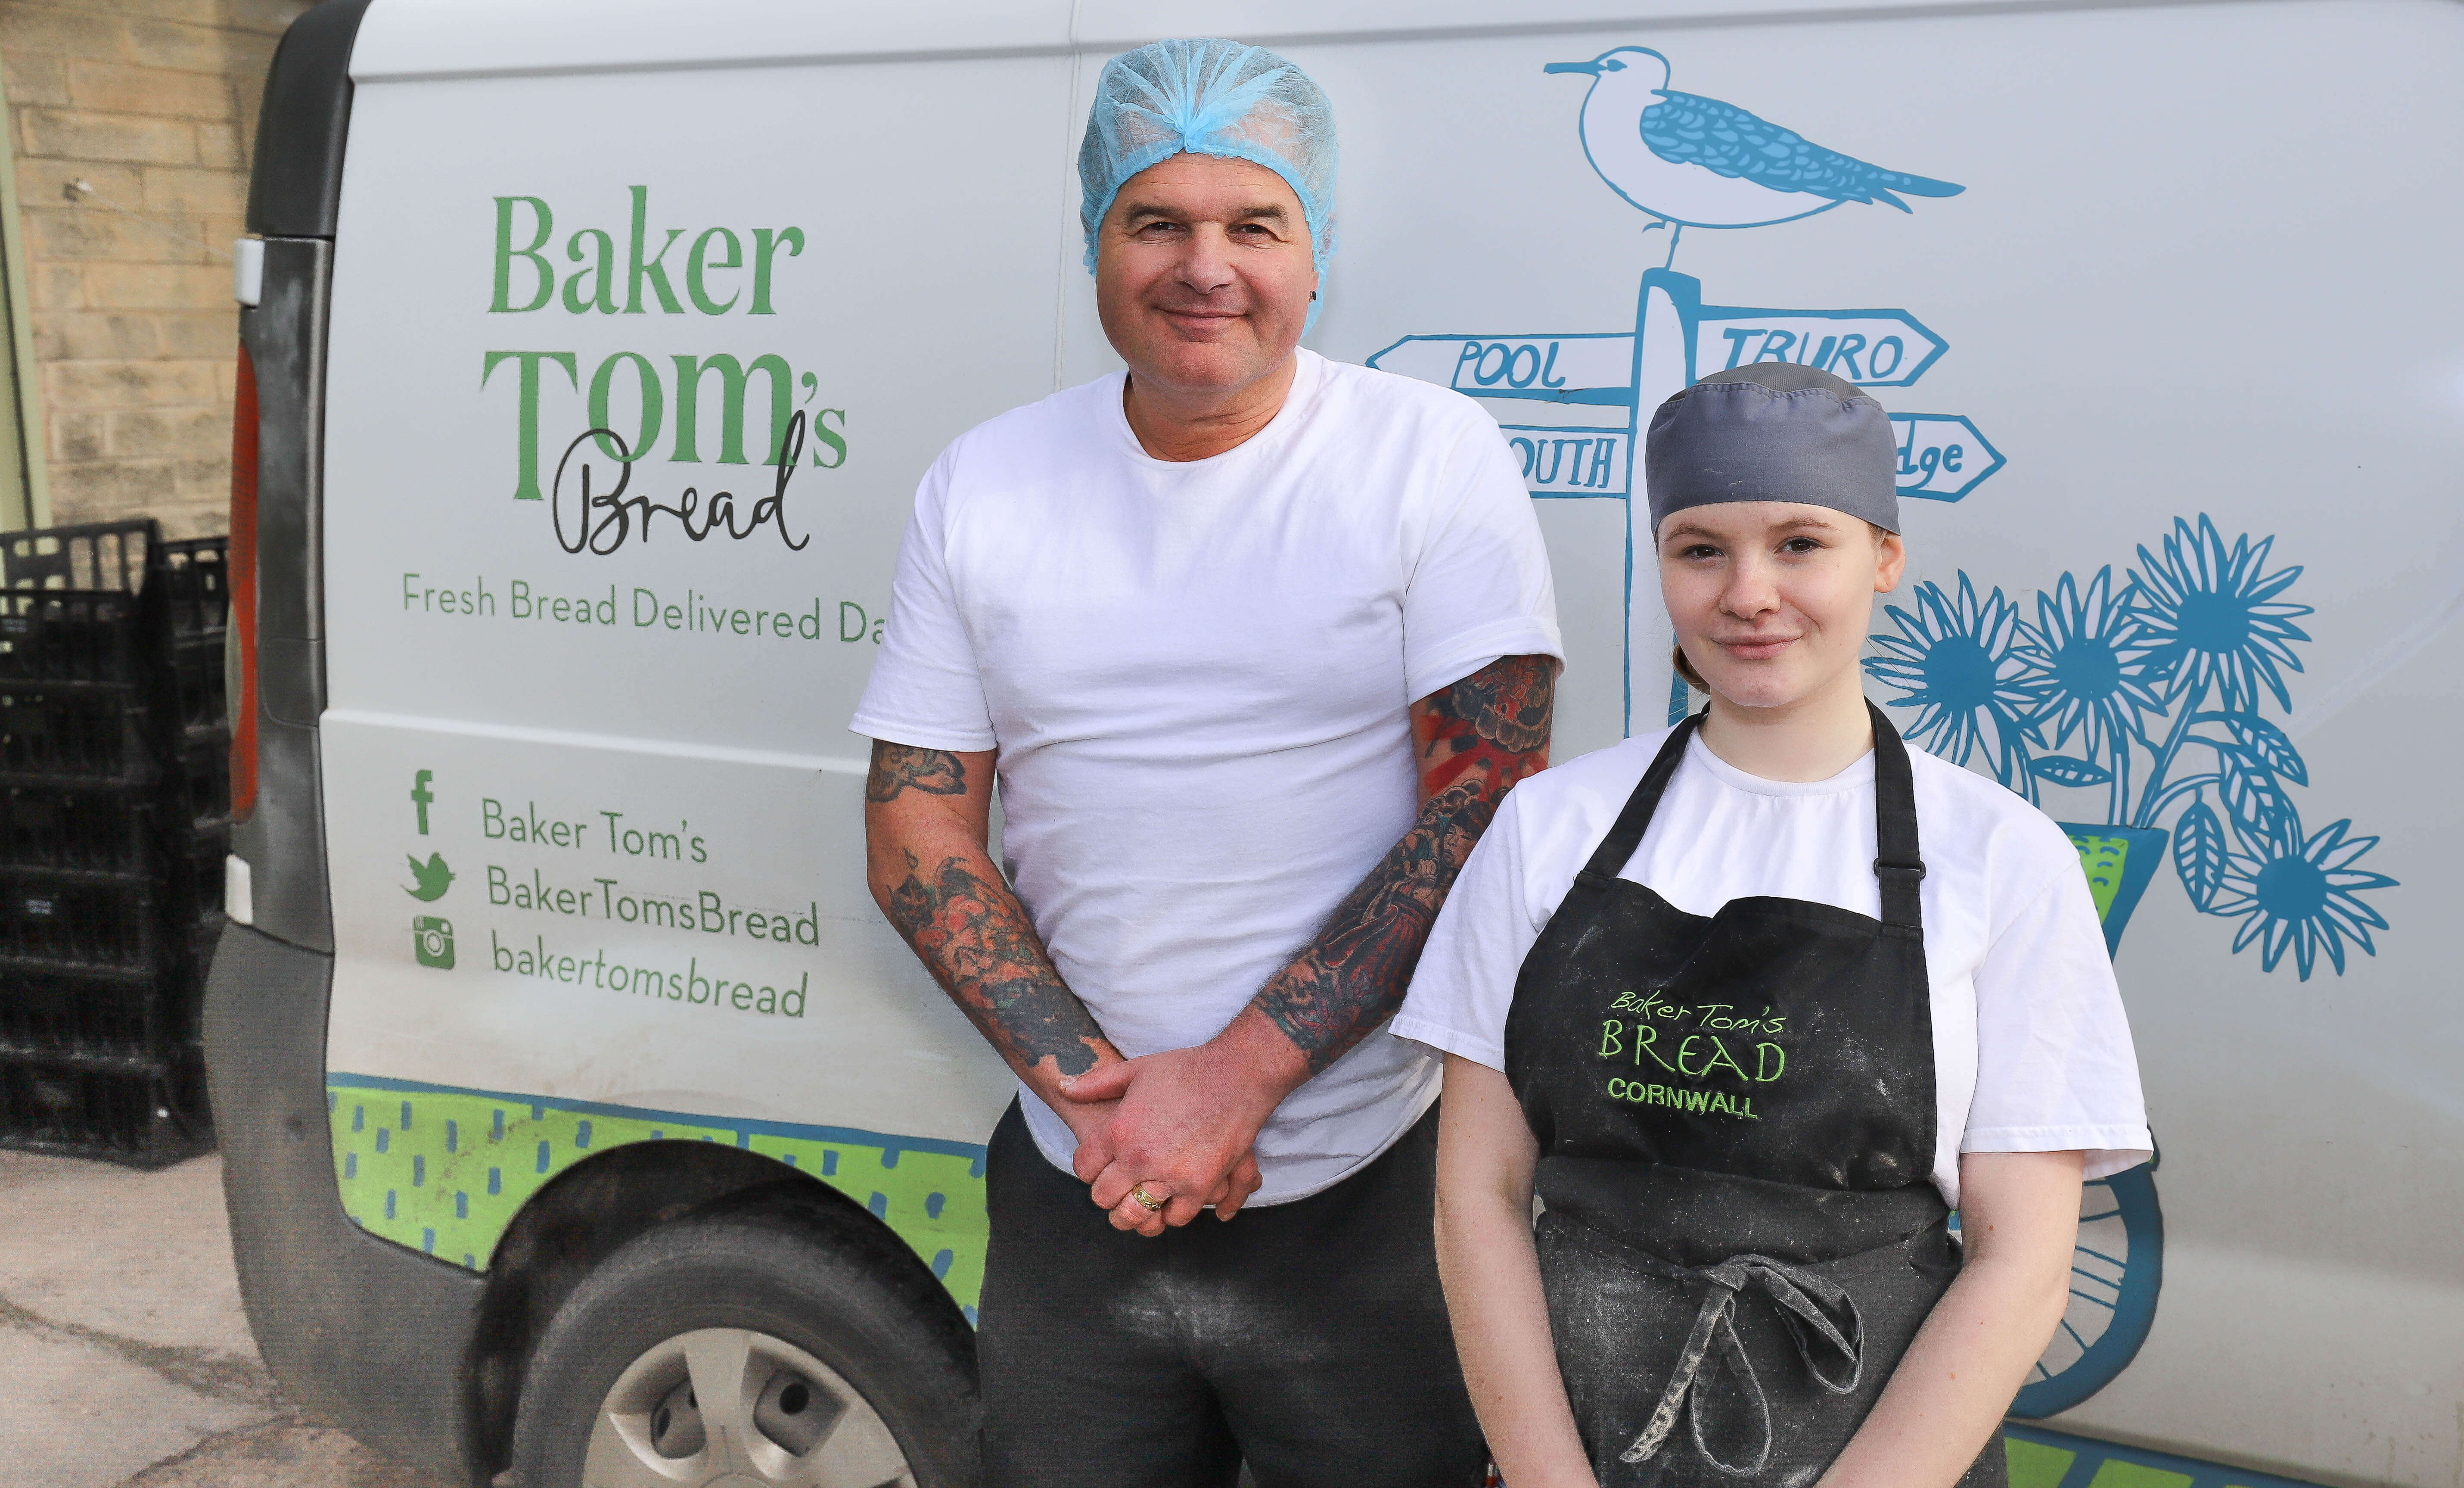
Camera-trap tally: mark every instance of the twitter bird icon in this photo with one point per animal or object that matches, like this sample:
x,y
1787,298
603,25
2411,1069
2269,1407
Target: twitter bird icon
x,y
433,877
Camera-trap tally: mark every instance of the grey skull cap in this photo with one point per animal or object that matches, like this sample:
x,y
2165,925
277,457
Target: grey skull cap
x,y
1774,432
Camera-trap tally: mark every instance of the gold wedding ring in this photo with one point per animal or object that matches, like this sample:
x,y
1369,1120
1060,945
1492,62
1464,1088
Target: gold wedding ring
x,y
1146,1201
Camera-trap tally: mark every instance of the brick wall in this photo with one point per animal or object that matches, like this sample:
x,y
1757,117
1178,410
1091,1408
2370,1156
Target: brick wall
x,y
151,104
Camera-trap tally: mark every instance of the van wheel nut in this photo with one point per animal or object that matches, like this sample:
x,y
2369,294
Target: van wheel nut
x,y
675,1423
793,1413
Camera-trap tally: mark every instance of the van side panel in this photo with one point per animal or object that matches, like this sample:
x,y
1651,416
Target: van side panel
x,y
598,865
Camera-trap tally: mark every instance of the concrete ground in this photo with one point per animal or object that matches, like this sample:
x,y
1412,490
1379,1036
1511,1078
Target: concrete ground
x,y
128,1360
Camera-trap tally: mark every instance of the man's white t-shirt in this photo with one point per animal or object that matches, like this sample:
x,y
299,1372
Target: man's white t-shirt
x,y
2032,1049
1198,675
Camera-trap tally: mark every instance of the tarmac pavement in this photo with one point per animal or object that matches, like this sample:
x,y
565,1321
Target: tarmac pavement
x,y
128,1359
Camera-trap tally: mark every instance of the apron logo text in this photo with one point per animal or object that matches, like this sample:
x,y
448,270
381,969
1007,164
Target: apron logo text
x,y
1712,1014
1696,1102
1770,1058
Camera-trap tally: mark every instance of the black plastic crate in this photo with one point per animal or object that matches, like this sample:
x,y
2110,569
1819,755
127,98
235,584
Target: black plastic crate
x,y
99,555
198,695
197,785
194,872
195,577
71,734
144,1118
111,1020
203,937
66,922
106,1021
106,829
95,636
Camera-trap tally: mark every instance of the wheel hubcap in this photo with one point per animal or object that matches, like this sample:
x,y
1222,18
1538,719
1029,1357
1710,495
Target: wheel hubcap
x,y
729,1408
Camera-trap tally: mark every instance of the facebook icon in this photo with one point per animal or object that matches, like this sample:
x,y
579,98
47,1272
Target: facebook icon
x,y
420,796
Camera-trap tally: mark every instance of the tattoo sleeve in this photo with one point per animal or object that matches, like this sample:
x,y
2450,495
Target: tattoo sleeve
x,y
972,935
1476,739
964,923
898,769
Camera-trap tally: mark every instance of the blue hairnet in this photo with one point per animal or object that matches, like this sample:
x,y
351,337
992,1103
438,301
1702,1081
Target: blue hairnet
x,y
1209,97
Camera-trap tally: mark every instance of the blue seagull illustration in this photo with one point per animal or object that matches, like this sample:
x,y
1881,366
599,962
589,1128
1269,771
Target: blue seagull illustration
x,y
1695,161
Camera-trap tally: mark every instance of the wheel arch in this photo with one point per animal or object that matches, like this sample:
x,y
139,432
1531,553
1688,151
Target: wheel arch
x,y
595,1206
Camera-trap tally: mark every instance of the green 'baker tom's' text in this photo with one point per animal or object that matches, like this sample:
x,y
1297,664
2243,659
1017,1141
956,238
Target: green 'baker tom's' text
x,y
596,898
722,271
690,984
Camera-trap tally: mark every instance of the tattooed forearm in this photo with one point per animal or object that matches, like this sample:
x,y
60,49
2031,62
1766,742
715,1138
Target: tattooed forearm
x,y
973,936
1352,975
1476,739
898,769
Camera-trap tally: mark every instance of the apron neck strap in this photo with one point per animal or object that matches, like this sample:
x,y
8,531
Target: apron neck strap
x,y
1626,834
1897,862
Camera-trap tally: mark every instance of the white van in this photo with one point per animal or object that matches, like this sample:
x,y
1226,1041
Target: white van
x,y
578,1104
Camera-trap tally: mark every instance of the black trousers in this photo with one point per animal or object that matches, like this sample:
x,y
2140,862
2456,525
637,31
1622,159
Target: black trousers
x,y
1308,1338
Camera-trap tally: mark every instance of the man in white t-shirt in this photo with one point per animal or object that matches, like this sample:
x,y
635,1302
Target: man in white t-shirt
x,y
1256,642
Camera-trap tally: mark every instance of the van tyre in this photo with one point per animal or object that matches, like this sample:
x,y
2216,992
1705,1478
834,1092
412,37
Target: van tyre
x,y
750,1351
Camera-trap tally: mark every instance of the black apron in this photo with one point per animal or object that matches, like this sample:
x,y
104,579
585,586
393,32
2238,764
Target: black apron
x,y
1736,1127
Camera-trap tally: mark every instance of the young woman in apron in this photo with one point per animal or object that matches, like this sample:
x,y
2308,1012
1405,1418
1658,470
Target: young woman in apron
x,y
1751,1006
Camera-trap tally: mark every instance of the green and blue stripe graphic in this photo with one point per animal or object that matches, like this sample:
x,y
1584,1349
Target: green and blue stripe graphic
x,y
443,1169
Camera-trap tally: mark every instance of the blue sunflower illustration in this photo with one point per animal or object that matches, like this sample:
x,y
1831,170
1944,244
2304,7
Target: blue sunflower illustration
x,y
2303,894
1957,661
2210,616
2144,682
2088,651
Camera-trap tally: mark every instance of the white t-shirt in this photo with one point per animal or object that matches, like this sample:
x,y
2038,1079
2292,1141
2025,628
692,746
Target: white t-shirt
x,y
1198,675
2032,1049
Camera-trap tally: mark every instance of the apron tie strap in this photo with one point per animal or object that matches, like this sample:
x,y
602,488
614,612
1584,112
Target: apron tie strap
x,y
1821,1319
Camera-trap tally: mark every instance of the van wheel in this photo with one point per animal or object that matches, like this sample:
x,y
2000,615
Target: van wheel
x,y
742,1351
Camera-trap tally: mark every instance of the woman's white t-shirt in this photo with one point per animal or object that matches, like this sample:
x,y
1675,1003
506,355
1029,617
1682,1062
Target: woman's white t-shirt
x,y
2031,1048
1198,675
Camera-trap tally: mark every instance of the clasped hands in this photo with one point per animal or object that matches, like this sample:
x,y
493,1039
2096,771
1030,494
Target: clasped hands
x,y
1182,1125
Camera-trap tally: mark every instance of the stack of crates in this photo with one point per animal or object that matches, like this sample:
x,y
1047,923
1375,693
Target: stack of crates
x,y
113,821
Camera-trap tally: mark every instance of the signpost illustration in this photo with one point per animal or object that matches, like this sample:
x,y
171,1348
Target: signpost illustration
x,y
1574,405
